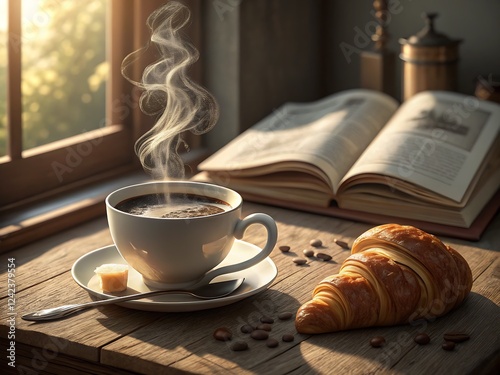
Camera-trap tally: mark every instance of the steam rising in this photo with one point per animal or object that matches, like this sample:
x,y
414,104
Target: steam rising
x,y
181,104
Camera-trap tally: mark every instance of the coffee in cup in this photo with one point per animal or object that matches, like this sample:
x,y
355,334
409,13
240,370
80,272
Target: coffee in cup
x,y
173,205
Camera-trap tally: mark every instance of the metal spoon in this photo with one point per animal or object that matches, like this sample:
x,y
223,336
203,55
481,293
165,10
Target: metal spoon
x,y
208,291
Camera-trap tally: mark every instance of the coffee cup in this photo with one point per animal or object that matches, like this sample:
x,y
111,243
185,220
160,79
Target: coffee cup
x,y
177,250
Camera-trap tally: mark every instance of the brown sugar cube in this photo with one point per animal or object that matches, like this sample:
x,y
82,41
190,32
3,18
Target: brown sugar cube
x,y
113,277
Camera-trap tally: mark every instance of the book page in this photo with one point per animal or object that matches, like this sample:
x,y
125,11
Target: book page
x,y
328,134
436,140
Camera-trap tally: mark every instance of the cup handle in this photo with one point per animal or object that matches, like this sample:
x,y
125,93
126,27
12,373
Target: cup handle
x,y
272,236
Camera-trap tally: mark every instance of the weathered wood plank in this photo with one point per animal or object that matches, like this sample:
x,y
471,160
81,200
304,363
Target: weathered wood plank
x,y
146,342
42,260
81,335
31,360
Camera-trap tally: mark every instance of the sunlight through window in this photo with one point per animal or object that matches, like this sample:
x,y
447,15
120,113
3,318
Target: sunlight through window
x,y
64,69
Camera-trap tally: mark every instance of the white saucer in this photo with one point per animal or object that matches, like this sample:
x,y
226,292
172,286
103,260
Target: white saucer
x,y
257,278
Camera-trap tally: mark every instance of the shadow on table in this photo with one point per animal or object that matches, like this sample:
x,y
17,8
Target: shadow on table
x,y
352,353
185,340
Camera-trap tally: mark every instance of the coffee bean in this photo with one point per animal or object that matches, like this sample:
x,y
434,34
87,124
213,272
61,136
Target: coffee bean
x,y
448,345
247,328
239,346
284,248
265,327
315,243
342,244
308,253
299,261
377,342
324,257
259,334
422,339
272,343
456,337
266,319
222,334
285,315
287,337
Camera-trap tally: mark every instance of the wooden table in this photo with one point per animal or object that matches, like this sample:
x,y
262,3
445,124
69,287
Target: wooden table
x,y
117,340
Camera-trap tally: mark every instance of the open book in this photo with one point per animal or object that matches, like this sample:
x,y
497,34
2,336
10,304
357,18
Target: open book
x,y
359,155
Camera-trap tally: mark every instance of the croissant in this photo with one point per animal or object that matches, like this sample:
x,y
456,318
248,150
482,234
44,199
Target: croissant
x,y
395,275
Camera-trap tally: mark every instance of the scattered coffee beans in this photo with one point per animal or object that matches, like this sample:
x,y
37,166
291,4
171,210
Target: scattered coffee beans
x,y
299,261
272,343
284,248
265,327
259,334
456,337
377,342
285,315
422,339
451,339
316,243
222,334
239,346
342,244
266,319
247,328
448,345
308,253
287,337
324,257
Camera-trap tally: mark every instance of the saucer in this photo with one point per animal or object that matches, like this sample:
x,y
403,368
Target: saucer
x,y
257,279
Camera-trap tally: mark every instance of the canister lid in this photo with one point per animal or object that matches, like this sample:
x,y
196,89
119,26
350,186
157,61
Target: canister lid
x,y
428,37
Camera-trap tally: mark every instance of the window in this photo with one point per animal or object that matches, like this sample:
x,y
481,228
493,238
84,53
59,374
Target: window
x,y
57,127
67,116
253,58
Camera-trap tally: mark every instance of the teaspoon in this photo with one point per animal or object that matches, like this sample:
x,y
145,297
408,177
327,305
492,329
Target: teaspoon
x,y
205,292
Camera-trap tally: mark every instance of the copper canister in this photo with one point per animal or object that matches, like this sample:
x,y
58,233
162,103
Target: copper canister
x,y
430,60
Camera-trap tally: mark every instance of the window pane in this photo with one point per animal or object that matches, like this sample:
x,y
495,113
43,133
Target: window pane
x,y
64,69
3,77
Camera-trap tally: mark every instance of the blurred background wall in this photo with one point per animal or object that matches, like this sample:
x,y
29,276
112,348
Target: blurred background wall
x,y
258,54
476,22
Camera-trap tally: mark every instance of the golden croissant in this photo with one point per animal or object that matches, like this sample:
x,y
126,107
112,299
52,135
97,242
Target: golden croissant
x,y
395,275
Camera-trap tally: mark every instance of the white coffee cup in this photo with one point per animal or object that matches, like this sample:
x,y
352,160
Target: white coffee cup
x,y
182,252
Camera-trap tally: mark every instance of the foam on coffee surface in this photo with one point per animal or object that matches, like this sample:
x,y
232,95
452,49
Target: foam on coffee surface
x,y
173,206
178,210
